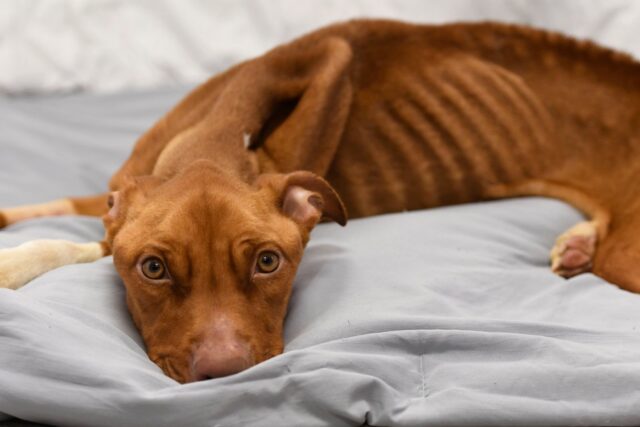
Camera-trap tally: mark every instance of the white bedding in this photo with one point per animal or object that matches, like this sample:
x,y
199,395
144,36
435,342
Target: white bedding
x,y
110,45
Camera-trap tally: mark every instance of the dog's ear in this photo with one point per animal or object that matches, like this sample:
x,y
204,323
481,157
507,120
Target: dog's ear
x,y
305,197
114,204
288,106
122,202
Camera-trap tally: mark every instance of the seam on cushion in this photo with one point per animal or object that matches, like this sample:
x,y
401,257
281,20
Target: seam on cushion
x,y
423,387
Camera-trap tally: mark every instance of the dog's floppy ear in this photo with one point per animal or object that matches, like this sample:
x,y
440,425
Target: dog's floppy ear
x,y
114,204
305,197
288,106
121,202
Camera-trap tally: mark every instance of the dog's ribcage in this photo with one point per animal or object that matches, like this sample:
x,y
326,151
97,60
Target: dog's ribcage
x,y
451,130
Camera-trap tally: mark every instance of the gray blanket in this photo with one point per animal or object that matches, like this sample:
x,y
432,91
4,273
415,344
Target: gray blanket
x,y
440,317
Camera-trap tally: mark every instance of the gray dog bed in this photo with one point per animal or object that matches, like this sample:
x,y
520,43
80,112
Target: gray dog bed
x,y
441,317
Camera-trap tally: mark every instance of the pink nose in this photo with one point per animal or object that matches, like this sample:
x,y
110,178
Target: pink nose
x,y
214,362
221,353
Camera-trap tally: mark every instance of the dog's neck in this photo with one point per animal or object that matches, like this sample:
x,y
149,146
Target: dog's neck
x,y
227,149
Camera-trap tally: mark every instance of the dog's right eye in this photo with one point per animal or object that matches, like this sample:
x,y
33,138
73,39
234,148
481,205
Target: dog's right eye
x,y
153,268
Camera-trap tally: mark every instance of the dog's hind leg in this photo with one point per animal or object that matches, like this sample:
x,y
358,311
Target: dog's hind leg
x,y
92,205
574,250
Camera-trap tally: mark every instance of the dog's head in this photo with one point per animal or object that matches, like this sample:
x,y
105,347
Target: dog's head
x,y
208,262
208,257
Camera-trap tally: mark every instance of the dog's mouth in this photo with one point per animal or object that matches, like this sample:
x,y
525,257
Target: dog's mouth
x,y
174,368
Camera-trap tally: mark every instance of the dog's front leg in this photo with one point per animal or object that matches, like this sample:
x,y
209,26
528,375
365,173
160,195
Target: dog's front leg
x,y
92,205
24,263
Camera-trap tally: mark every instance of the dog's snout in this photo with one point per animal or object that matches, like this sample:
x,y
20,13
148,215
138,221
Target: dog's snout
x,y
220,354
212,363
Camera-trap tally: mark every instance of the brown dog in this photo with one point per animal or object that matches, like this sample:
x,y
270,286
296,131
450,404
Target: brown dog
x,y
209,216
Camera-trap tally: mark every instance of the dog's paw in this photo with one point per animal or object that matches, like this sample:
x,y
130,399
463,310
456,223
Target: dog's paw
x,y
574,249
21,264
12,269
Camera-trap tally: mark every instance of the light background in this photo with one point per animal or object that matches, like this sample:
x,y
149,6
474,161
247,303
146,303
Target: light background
x,y
114,45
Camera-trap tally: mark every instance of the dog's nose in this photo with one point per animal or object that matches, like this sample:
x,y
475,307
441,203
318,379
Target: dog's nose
x,y
221,353
214,362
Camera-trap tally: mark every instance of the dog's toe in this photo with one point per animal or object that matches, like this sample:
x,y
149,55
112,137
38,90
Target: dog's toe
x,y
574,249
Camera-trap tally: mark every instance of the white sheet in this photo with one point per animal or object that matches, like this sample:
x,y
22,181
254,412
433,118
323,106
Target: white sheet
x,y
110,45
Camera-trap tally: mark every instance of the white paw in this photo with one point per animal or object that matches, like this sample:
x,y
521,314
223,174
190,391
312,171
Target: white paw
x,y
20,265
574,250
15,268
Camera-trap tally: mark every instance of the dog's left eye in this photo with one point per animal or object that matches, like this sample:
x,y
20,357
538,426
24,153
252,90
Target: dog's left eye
x,y
268,262
153,268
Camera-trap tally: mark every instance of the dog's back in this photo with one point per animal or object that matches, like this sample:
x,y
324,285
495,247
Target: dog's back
x,y
452,114
421,116
400,116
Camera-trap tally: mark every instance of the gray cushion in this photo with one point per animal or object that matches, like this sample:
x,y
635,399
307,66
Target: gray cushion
x,y
447,316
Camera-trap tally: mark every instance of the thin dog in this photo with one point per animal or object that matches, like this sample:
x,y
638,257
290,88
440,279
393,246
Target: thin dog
x,y
208,218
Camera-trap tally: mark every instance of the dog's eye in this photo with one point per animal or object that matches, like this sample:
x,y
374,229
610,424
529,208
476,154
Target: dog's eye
x,y
268,262
153,268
